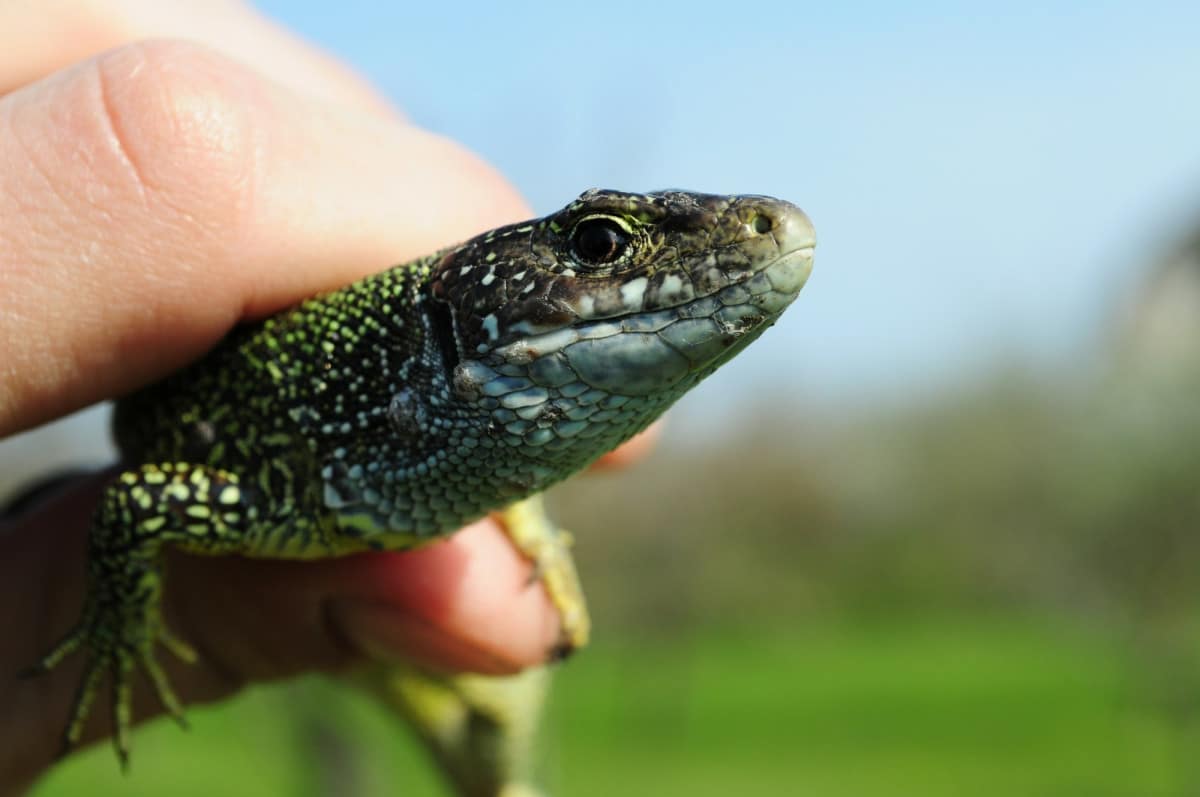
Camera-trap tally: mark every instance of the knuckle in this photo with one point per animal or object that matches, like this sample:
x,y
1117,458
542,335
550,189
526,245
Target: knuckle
x,y
183,120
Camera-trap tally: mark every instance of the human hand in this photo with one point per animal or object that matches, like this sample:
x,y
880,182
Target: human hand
x,y
152,196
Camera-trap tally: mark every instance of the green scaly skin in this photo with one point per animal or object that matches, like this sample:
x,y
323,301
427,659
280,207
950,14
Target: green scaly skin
x,y
391,412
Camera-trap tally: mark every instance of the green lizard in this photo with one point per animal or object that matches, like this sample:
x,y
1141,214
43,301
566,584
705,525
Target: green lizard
x,y
395,410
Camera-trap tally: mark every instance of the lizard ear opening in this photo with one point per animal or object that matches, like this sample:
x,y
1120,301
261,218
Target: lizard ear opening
x,y
441,325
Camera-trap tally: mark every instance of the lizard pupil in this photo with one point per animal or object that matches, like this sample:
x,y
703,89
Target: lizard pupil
x,y
599,241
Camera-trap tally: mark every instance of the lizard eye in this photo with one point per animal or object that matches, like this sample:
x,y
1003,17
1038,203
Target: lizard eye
x,y
599,240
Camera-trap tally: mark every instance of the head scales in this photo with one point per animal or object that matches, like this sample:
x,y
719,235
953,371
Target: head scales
x,y
510,290
698,277
551,341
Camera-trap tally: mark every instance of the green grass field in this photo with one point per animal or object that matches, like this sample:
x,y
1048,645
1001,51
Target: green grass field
x,y
989,707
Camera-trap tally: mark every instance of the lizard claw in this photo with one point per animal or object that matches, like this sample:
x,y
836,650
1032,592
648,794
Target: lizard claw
x,y
116,640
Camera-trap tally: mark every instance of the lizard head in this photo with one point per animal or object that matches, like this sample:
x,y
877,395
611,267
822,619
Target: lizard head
x,y
589,322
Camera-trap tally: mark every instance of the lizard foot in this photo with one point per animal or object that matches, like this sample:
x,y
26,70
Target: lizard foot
x,y
118,631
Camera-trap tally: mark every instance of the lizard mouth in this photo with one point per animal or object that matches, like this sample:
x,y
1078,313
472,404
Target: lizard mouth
x,y
786,276
644,353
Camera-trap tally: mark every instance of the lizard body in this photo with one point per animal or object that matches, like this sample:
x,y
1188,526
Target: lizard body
x,y
395,410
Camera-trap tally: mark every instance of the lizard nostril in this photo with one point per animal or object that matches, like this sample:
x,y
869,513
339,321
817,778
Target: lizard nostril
x,y
761,224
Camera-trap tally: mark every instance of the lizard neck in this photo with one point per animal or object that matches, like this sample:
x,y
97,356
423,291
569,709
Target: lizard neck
x,y
403,450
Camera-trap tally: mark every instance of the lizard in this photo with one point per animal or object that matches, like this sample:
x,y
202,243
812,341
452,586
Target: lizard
x,y
391,412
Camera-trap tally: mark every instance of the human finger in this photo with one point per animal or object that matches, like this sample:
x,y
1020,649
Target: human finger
x,y
466,604
158,194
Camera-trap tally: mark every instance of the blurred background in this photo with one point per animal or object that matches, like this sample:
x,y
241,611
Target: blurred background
x,y
937,532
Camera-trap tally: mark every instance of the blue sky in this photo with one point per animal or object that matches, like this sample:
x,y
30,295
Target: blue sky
x,y
986,180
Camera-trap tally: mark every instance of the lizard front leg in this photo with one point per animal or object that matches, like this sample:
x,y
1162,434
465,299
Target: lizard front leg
x,y
196,508
536,536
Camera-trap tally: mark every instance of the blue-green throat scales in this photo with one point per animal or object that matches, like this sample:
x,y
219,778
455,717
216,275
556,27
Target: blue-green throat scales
x,y
401,407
